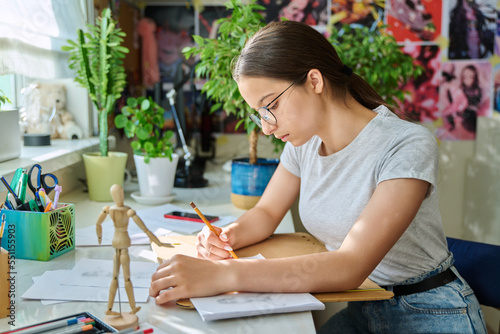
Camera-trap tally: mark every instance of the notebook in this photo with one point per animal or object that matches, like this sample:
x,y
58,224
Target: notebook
x,y
245,304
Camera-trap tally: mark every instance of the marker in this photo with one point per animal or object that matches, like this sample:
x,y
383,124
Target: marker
x,y
73,329
7,205
47,208
44,327
58,190
24,183
12,201
43,196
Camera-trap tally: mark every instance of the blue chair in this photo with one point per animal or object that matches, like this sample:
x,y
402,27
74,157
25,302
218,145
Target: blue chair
x,y
479,265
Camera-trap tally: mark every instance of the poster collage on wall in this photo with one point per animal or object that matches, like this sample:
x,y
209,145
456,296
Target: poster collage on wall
x,y
456,41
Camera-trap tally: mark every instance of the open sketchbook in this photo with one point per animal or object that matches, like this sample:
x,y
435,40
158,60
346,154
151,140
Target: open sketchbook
x,y
245,304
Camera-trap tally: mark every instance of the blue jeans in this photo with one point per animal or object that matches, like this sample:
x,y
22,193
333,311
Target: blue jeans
x,y
451,308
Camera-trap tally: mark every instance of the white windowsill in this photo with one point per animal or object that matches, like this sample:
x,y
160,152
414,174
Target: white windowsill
x,y
60,154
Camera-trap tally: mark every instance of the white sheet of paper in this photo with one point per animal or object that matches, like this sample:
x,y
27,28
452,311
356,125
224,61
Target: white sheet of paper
x,y
99,273
50,302
153,219
49,287
244,304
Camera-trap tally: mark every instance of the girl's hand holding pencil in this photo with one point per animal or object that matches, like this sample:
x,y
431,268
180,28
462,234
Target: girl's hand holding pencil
x,y
212,246
184,276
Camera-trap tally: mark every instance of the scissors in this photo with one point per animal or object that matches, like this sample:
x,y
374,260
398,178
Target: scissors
x,y
41,180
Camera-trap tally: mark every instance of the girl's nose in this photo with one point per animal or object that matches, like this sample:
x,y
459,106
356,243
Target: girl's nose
x,y
268,129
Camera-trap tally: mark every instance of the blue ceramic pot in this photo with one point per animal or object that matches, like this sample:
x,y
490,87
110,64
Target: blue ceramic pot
x,y
251,179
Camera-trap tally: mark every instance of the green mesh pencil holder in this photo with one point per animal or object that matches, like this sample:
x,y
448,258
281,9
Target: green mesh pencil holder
x,y
39,236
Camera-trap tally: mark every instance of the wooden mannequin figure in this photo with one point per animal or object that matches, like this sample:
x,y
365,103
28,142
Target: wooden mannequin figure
x,y
120,215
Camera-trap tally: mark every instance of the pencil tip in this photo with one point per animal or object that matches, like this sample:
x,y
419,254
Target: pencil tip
x,y
192,205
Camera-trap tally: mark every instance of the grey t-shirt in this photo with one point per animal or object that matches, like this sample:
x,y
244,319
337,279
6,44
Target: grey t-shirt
x,y
335,189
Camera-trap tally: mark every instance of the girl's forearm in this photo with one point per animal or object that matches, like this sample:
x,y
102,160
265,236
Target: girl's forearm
x,y
321,272
253,226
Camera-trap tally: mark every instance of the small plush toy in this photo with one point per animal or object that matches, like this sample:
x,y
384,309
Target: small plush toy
x,y
53,110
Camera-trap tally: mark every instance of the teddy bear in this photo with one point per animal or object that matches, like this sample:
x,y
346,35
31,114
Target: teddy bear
x,y
53,116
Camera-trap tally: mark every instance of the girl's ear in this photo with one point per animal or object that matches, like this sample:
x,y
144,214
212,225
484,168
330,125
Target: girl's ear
x,y
315,80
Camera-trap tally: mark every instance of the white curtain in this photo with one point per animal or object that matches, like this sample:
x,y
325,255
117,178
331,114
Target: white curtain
x,y
32,33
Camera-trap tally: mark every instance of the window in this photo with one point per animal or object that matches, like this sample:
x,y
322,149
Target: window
x,y
7,86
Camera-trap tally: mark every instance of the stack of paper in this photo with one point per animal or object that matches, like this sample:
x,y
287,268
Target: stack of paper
x,y
243,304
89,281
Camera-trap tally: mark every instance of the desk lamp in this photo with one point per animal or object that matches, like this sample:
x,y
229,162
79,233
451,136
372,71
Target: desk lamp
x,y
189,174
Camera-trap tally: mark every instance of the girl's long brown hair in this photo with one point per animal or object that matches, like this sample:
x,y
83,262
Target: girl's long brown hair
x,y
286,50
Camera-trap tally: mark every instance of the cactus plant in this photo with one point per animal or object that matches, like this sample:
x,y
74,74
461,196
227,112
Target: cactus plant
x,y
97,56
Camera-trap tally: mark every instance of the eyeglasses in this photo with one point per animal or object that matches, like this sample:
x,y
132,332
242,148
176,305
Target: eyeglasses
x,y
266,114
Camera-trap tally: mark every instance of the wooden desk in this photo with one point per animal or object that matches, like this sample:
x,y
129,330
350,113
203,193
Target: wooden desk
x,y
279,246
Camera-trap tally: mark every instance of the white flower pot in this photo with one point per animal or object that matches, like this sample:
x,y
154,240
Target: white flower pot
x,y
156,178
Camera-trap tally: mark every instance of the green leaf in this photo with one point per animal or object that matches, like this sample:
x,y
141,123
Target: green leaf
x,y
142,133
149,147
135,145
127,111
130,127
215,107
145,105
120,121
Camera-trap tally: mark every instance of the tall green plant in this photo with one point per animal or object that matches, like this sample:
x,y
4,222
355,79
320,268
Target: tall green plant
x,y
97,56
215,63
377,58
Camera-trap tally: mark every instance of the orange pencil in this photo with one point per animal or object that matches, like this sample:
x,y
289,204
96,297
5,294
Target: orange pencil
x,y
205,220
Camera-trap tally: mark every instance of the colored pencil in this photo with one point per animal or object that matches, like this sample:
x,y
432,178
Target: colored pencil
x,y
45,327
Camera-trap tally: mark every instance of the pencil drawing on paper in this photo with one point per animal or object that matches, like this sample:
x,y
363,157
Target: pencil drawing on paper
x,y
243,298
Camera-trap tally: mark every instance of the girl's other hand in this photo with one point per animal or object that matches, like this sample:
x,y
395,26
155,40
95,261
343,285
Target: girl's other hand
x,y
184,277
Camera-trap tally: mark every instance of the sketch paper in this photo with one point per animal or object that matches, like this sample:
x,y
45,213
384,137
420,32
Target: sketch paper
x,y
49,287
244,304
50,302
99,273
153,219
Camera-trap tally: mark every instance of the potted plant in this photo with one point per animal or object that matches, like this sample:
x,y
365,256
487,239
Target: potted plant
x,y
249,176
154,157
97,56
9,124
